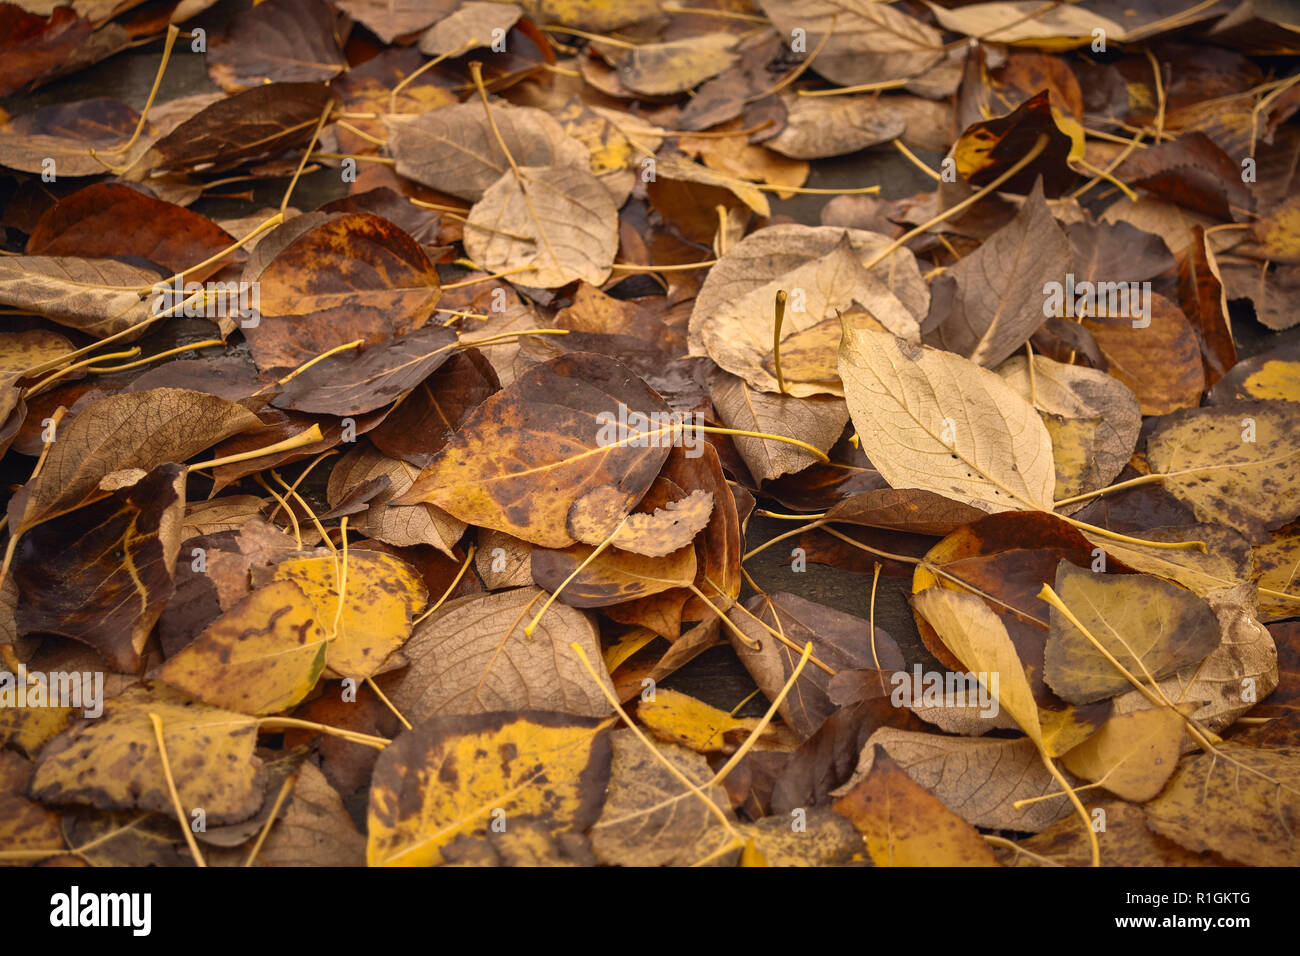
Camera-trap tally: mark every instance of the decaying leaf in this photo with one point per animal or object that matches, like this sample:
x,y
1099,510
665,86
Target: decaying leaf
x,y
526,765
113,763
933,420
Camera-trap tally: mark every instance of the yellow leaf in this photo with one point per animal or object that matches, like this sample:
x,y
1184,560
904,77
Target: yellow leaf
x,y
260,657
382,595
466,774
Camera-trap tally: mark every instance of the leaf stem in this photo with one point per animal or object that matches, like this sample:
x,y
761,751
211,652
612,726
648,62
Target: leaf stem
x,y
776,341
308,436
181,818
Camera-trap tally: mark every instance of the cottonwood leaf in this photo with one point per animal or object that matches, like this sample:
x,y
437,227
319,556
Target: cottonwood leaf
x,y
315,829
1234,464
999,297
662,69
472,656
771,252
401,525
454,149
355,276
816,127
113,219
1161,362
1239,802
651,818
523,457
451,775
261,657
291,41
99,297
381,596
980,641
24,823
1245,658
905,509
681,719
548,225
103,574
1126,841
390,19
613,576
1019,20
421,425
818,420
978,779
905,399
474,24
1153,628
355,382
673,526
1133,755
1092,417
904,825
868,42
113,763
261,121
738,336
827,839
840,641
132,430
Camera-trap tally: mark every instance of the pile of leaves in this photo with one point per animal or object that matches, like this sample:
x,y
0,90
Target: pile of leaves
x,y
386,563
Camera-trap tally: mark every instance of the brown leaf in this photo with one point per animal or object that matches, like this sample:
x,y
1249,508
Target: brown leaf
x,y
548,225
1160,363
818,420
353,277
999,300
112,219
455,150
472,657
816,127
257,123
840,641
289,41
113,573
903,825
133,430
524,456
402,525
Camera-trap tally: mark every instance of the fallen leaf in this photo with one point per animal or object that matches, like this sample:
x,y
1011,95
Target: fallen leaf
x,y
472,657
529,765
999,301
113,763
903,825
1153,628
905,401
651,818
261,657
524,456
